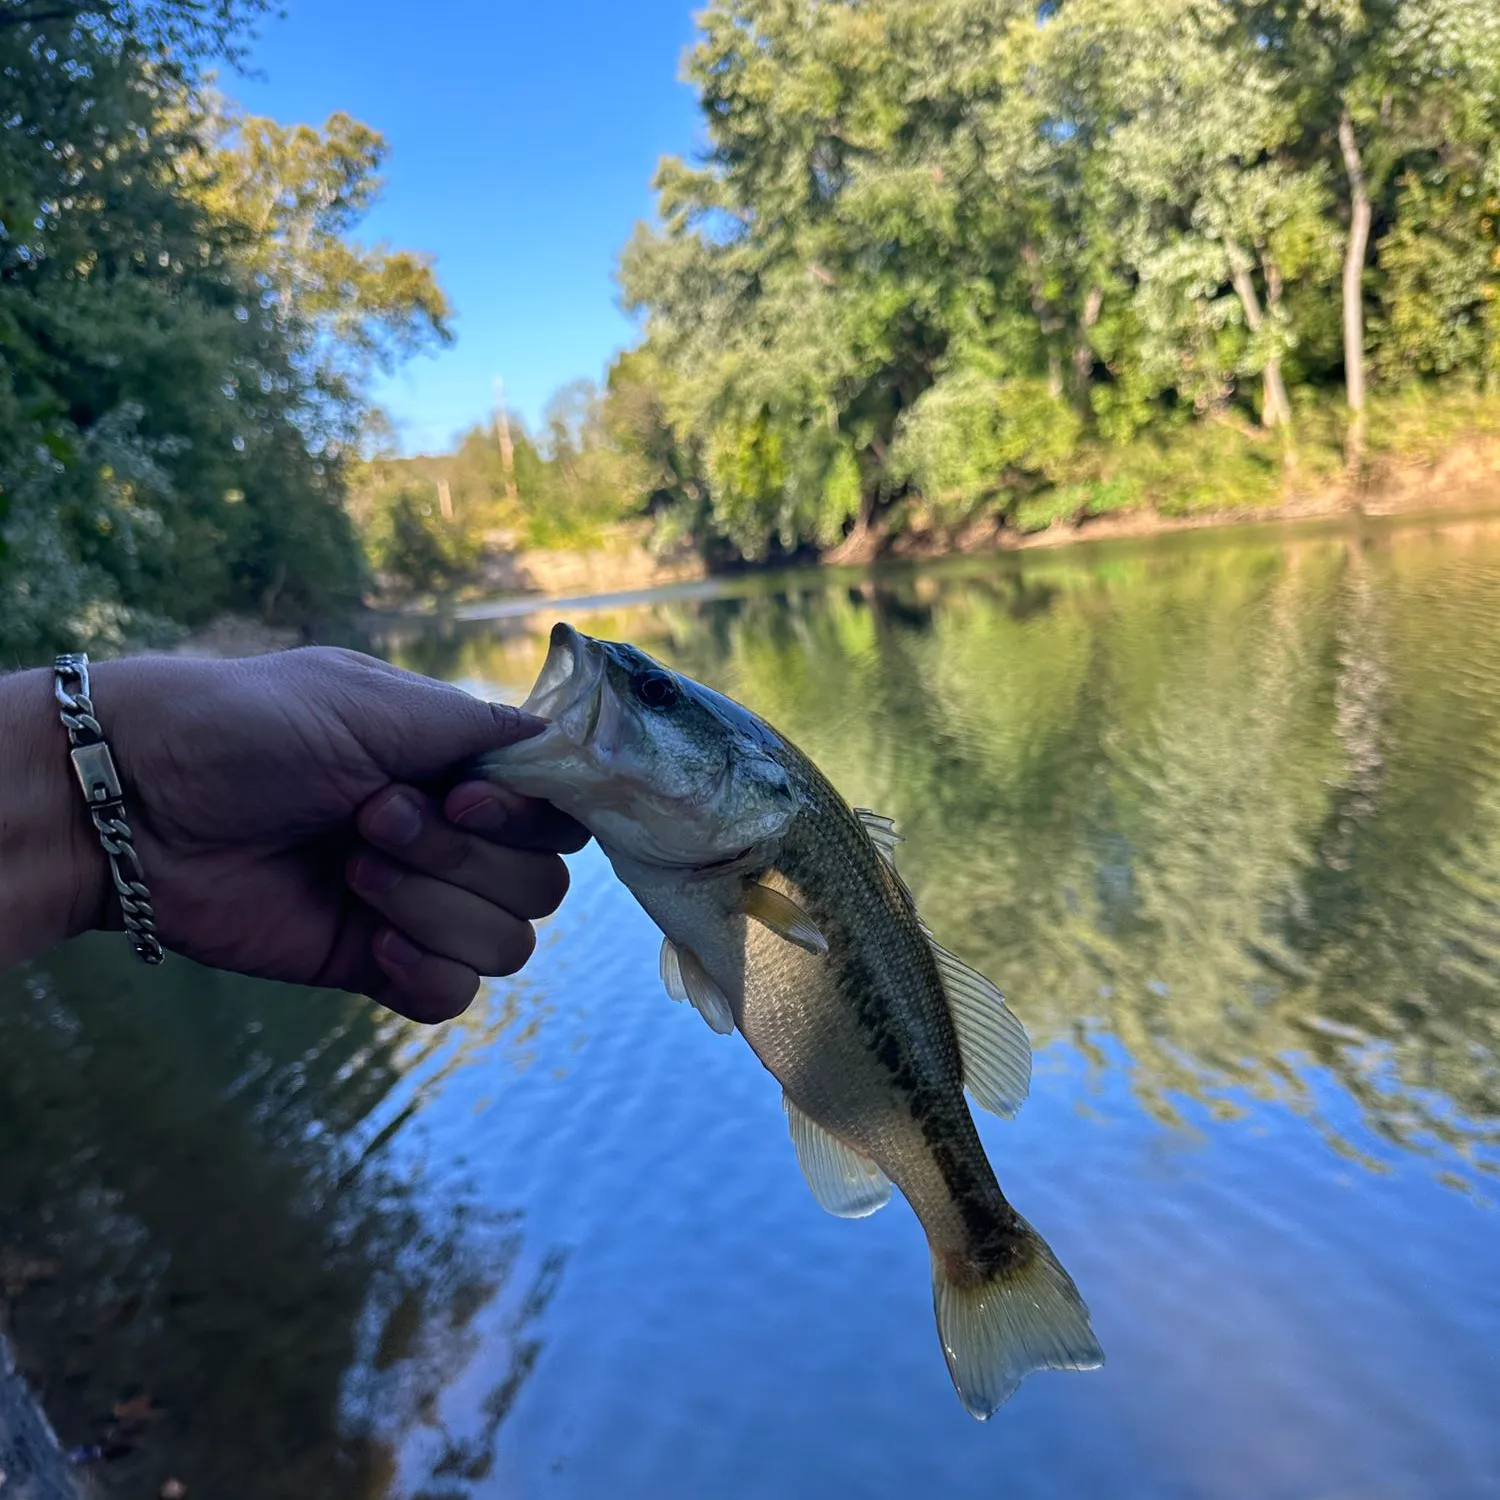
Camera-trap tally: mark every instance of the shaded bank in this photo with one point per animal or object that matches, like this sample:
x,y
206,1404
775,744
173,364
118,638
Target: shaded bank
x,y
219,1271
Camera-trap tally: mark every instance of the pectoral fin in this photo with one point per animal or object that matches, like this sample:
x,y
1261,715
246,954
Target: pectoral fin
x,y
844,1182
687,979
784,917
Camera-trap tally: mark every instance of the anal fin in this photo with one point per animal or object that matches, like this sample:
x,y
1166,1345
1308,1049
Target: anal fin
x,y
845,1183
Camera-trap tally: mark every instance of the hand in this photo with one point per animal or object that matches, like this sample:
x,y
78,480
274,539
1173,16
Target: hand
x,y
284,813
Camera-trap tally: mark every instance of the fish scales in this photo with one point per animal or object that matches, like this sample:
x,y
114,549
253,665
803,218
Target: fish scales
x,y
877,1003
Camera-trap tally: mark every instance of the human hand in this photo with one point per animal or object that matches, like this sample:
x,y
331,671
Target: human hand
x,y
283,812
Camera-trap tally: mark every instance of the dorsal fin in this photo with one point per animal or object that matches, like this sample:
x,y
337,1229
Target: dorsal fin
x,y
992,1042
882,831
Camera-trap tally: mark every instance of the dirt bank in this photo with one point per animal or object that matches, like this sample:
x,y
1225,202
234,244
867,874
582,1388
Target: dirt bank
x,y
1465,478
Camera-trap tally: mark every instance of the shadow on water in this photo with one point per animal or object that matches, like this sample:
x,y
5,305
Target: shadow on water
x,y
212,1264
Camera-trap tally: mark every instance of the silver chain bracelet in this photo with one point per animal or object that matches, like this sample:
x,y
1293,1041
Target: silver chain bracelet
x,y
95,768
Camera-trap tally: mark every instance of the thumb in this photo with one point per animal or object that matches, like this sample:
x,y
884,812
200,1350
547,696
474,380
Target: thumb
x,y
417,729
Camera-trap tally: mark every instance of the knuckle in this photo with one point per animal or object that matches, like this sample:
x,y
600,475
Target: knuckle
x,y
444,851
507,719
330,658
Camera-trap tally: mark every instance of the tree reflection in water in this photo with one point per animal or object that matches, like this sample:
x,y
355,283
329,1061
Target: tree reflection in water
x,y
1221,815
199,1188
1227,803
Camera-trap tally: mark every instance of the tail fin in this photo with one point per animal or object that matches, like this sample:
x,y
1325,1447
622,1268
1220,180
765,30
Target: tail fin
x,y
1026,1317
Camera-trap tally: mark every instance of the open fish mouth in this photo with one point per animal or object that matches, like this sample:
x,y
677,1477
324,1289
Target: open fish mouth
x,y
570,686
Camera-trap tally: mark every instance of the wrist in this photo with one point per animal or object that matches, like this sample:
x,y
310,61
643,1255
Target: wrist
x,y
54,879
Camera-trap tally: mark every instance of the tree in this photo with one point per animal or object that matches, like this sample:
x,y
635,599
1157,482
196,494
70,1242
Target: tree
x,y
1378,85
185,331
944,258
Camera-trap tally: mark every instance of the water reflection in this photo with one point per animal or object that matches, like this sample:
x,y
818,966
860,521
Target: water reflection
x,y
1223,817
1232,806
215,1238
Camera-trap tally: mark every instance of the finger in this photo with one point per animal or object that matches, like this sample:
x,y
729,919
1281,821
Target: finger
x,y
405,824
423,987
496,812
446,921
413,727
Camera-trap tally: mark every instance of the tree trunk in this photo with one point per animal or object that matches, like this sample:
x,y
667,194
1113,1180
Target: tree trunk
x,y
1047,319
507,448
1083,351
1276,409
1273,368
863,541
1354,311
1054,374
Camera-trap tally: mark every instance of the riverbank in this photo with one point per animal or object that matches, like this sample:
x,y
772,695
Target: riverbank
x,y
1458,480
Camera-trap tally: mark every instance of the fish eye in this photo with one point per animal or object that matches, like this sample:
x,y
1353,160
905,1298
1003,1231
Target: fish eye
x,y
656,690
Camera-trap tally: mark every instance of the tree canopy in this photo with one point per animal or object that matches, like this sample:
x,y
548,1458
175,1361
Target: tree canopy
x,y
941,268
186,328
944,257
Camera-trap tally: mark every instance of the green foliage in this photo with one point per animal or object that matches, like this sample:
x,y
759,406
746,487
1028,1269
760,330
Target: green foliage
x,y
1052,261
410,542
186,331
1070,503
598,460
968,435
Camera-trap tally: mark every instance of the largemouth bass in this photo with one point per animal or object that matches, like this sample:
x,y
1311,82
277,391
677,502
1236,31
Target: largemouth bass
x,y
784,918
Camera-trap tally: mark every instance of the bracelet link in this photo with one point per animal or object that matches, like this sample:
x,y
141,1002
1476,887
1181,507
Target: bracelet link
x,y
95,769
99,779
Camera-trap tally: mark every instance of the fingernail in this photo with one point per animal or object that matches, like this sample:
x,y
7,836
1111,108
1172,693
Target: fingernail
x,y
478,812
518,724
396,822
377,876
398,950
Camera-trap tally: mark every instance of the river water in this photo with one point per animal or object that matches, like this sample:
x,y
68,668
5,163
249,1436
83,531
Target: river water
x,y
1220,813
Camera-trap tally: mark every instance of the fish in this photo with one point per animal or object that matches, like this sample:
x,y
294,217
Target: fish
x,y
783,918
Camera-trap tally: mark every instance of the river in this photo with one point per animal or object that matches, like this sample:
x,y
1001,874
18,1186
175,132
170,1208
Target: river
x,y
1220,813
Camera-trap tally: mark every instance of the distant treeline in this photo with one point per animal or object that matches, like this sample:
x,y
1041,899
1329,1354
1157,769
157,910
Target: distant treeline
x,y
942,264
959,262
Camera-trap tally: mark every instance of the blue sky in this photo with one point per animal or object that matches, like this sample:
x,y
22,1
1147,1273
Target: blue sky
x,y
523,138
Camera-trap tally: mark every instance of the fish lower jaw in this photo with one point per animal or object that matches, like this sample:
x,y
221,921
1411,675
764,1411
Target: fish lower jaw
x,y
562,701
